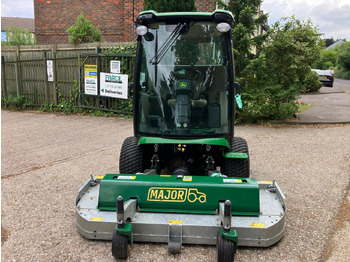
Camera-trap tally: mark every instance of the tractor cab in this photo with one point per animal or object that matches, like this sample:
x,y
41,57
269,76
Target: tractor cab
x,y
184,75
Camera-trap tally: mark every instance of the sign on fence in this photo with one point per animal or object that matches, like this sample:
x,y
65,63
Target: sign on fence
x,y
115,66
90,79
49,64
114,85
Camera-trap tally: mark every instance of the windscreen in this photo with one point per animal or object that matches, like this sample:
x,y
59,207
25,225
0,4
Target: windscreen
x,y
183,80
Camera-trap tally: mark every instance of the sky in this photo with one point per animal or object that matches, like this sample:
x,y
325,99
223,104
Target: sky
x,y
332,17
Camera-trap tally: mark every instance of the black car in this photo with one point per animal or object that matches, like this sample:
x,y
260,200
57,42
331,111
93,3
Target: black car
x,y
325,77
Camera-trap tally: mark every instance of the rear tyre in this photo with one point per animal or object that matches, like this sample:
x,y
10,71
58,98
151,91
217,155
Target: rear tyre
x,y
225,249
130,161
119,245
237,167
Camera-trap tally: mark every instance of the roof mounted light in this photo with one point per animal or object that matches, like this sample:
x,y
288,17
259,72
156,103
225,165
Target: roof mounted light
x,y
141,30
223,27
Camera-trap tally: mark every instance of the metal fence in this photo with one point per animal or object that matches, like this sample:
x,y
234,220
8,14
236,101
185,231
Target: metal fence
x,y
24,72
102,61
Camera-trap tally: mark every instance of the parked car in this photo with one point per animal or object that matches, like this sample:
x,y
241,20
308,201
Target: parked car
x,y
331,71
325,77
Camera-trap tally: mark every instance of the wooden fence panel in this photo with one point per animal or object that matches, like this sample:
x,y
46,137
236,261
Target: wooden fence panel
x,y
25,73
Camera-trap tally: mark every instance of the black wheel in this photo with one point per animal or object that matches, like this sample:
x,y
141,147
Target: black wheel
x,y
237,167
119,245
130,161
225,249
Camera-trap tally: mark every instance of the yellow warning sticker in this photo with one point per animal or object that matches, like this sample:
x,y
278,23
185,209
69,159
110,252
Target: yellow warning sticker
x,y
99,177
96,218
175,222
257,225
266,182
187,178
127,177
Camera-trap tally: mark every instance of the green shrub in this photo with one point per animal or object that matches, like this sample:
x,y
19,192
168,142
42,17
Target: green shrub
x,y
14,102
83,31
342,73
311,83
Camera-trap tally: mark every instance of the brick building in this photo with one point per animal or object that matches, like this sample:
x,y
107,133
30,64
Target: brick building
x,y
114,18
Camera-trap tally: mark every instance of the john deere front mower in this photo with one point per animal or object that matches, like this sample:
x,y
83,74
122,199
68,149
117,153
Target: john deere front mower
x,y
184,176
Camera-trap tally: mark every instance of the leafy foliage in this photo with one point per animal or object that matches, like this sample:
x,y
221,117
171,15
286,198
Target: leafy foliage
x,y
83,31
17,36
244,36
169,5
344,56
311,83
328,59
14,102
274,80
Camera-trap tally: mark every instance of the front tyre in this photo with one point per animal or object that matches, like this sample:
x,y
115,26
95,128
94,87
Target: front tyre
x,y
225,249
237,167
119,245
131,157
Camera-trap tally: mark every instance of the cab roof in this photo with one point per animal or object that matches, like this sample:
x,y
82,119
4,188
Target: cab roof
x,y
151,16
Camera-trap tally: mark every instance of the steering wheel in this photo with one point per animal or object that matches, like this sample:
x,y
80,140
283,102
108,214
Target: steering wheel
x,y
187,72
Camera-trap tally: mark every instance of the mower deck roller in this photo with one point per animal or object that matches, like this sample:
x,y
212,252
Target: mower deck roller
x,y
181,210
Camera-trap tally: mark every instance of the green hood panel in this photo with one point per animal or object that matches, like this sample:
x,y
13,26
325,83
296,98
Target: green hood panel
x,y
203,141
187,194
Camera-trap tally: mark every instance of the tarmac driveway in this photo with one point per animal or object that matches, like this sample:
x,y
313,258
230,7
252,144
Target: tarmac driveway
x,y
47,157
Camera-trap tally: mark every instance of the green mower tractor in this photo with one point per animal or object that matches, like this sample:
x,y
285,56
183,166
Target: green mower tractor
x,y
184,176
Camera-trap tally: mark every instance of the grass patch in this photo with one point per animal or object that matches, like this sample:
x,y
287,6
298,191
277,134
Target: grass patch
x,y
302,106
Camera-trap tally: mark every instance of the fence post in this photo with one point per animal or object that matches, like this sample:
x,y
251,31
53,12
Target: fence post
x,y
46,81
55,100
3,76
98,61
18,73
80,80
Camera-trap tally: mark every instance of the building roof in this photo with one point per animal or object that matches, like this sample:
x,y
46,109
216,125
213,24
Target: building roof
x,y
24,23
339,42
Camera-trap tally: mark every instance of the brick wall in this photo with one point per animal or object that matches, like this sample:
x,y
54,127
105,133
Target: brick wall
x,y
114,18
205,5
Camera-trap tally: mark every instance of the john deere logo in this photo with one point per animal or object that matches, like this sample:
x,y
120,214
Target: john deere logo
x,y
183,84
167,194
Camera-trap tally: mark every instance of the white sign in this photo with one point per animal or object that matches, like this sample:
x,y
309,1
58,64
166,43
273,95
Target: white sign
x,y
114,85
90,79
49,65
115,66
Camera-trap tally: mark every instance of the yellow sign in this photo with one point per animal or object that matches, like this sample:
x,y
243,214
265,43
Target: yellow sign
x,y
257,225
175,222
96,218
168,194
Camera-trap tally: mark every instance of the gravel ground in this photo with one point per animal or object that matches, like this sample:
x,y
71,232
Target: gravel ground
x,y
47,157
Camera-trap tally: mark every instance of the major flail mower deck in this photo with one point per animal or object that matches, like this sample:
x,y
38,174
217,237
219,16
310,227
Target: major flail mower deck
x,y
181,210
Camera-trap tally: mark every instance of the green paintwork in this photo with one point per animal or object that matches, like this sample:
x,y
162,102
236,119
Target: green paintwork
x,y
181,14
192,194
125,231
203,141
232,235
235,155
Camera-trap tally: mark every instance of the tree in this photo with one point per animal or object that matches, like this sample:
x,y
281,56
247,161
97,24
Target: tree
x,y
275,79
83,31
169,5
344,56
327,60
247,21
17,36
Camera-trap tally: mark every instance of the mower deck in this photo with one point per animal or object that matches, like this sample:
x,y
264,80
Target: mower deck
x,y
262,230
